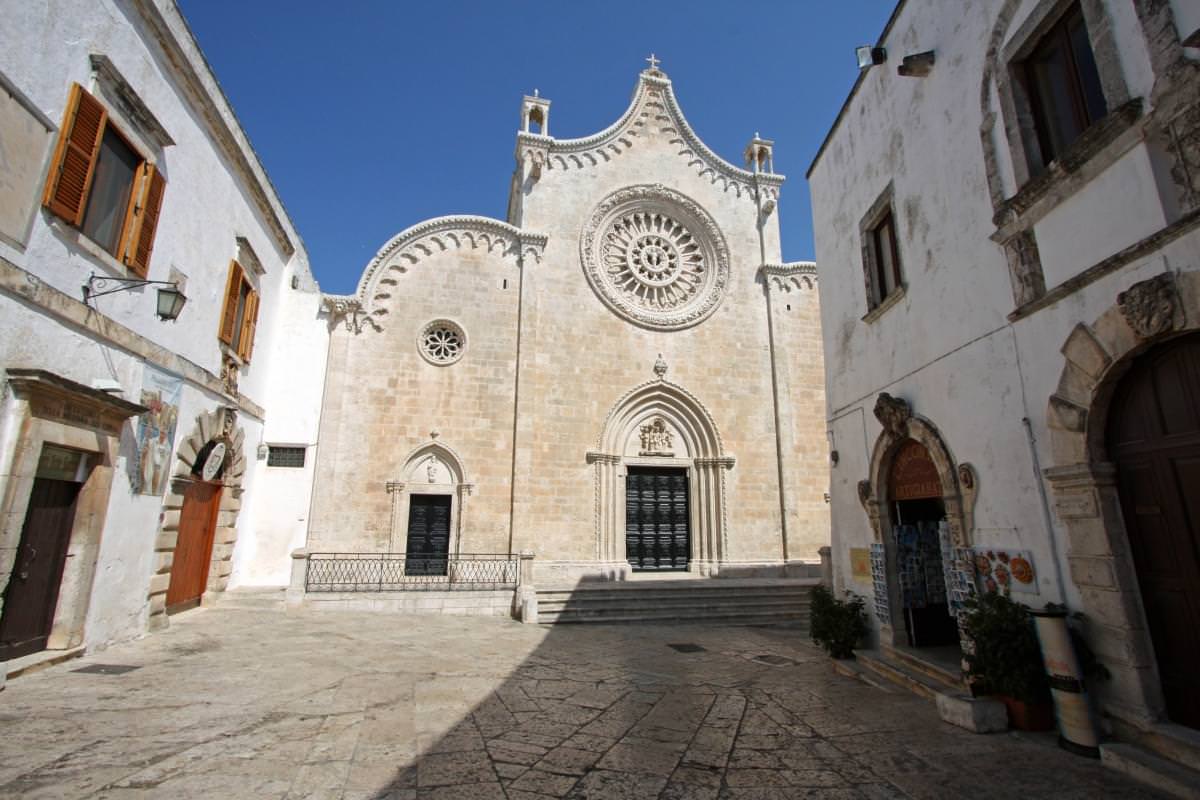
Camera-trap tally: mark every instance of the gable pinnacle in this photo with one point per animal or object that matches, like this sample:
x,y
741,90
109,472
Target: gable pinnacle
x,y
653,62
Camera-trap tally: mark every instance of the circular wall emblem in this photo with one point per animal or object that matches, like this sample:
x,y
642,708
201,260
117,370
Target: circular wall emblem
x,y
655,257
442,342
210,461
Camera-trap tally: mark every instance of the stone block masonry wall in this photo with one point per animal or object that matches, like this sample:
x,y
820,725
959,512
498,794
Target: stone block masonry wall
x,y
384,400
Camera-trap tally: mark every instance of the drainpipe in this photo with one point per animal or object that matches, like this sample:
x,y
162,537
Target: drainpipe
x,y
1041,486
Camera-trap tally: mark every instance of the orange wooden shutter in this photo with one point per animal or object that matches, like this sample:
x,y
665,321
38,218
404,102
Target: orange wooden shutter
x,y
75,156
140,230
233,289
249,325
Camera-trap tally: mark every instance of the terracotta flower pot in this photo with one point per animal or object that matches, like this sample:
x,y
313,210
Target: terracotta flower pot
x,y
1029,716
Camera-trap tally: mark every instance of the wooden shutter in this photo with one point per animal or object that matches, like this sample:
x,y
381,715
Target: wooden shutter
x,y
142,221
249,325
233,290
75,156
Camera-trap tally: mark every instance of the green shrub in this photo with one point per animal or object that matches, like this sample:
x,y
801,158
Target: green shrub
x,y
837,625
1007,659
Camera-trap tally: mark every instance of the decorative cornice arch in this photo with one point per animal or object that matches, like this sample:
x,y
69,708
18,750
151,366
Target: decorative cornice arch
x,y
793,276
959,481
654,109
460,232
447,454
662,398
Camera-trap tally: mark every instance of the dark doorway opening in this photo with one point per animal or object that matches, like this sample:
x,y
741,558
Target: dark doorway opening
x,y
657,519
1154,439
428,545
32,593
928,620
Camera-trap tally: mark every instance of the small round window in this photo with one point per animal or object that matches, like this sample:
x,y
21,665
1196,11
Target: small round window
x,y
442,342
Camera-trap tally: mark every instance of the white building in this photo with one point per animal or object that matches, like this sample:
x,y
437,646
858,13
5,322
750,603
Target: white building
x,y
130,446
1006,217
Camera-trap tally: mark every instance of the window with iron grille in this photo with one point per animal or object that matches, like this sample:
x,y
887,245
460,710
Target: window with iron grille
x,y
278,456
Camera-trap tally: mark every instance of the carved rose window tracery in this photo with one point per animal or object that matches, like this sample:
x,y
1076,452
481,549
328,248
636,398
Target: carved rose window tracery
x,y
442,342
655,257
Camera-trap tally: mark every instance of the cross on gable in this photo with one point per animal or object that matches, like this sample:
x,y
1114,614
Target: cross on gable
x,y
653,62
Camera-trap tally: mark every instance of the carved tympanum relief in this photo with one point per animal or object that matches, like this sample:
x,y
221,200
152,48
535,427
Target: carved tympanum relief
x,y
655,257
657,439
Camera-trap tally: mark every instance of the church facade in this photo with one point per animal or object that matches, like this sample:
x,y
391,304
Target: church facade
x,y
622,377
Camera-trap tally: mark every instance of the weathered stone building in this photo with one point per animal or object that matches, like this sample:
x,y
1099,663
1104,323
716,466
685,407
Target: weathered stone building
x,y
622,376
130,466
1006,217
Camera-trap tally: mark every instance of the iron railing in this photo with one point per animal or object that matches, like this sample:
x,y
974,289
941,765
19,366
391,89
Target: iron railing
x,y
392,572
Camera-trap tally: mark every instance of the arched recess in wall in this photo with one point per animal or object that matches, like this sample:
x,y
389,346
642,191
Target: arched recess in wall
x,y
694,445
1085,483
433,468
218,424
959,486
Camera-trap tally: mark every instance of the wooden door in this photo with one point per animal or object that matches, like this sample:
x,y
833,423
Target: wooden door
x,y
1154,438
428,534
657,518
32,593
193,548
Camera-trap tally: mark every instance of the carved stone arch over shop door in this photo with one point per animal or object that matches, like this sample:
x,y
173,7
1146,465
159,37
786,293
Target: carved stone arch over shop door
x,y
217,425
661,424
959,486
1087,483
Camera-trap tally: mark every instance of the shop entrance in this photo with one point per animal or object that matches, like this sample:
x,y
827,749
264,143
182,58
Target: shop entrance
x,y
919,538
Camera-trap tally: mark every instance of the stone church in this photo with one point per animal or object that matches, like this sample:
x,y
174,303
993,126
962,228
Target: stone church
x,y
622,377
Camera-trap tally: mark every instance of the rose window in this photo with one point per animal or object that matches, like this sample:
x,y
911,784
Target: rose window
x,y
655,257
442,342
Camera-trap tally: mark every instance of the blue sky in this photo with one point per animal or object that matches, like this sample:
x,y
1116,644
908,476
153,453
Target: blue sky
x,y
383,114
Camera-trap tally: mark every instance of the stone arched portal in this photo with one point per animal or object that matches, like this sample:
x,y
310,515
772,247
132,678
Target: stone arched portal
x,y
1083,480
958,489
433,468
218,424
661,424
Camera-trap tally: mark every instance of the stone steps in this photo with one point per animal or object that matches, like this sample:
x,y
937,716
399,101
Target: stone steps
x,y
1169,777
729,602
250,597
898,668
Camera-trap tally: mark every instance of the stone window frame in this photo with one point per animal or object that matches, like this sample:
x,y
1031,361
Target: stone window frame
x,y
445,322
1015,104
880,211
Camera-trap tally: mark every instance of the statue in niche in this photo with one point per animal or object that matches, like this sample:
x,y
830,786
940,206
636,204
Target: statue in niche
x,y
657,439
431,469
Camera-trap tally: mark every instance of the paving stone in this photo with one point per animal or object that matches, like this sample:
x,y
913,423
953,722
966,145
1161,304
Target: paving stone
x,y
254,704
605,785
547,783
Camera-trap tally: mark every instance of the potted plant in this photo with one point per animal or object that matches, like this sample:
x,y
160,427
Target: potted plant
x,y
837,625
1006,660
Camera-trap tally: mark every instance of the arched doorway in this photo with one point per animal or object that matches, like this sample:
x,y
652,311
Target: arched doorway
x,y
918,536
1153,437
660,491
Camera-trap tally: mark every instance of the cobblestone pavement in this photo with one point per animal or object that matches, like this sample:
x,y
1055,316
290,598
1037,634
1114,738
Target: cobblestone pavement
x,y
232,703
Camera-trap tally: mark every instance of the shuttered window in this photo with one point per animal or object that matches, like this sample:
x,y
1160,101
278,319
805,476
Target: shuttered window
x,y
239,314
102,185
